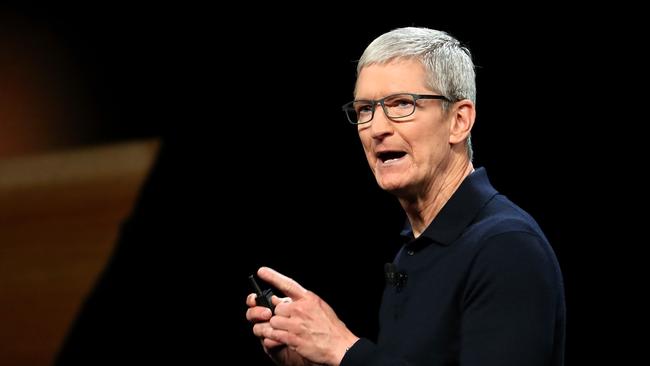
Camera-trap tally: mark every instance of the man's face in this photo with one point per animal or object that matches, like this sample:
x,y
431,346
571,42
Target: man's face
x,y
406,153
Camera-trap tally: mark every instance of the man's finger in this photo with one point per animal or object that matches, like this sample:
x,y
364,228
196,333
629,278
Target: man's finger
x,y
258,314
270,344
279,300
283,283
250,300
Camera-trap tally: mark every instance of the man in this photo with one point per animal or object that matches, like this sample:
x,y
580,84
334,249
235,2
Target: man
x,y
476,282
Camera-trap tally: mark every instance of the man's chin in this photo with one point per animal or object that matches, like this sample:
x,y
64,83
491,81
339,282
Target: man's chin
x,y
391,186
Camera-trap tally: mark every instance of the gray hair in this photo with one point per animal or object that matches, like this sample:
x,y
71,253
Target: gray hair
x,y
448,64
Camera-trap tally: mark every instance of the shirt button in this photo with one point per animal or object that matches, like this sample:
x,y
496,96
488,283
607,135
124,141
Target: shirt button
x,y
410,252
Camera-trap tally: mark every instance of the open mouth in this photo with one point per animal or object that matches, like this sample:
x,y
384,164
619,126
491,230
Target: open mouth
x,y
390,156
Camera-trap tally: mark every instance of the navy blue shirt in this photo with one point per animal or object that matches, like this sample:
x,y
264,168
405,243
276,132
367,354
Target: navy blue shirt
x,y
483,287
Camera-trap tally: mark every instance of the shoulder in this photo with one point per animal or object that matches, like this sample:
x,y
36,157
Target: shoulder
x,y
511,252
506,238
502,220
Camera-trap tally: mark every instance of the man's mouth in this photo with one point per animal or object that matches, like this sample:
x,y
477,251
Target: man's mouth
x,y
390,156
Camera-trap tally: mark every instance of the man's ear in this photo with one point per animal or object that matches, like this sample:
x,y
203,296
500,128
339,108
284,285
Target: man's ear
x,y
462,120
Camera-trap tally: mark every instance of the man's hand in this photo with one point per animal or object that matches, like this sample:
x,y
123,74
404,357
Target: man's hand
x,y
303,323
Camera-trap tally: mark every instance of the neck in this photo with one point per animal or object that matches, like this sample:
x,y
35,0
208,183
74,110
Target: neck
x,y
423,208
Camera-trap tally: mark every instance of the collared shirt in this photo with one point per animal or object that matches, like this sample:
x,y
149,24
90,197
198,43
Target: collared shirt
x,y
482,286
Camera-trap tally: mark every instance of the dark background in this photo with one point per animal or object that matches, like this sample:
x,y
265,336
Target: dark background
x,y
259,166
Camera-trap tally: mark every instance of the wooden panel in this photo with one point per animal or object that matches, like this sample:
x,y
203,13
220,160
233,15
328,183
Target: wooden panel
x,y
59,217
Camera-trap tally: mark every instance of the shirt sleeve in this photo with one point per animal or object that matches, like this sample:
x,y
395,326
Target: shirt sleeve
x,y
511,303
366,353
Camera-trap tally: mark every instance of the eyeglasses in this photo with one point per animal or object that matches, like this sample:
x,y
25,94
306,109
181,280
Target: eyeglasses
x,y
395,106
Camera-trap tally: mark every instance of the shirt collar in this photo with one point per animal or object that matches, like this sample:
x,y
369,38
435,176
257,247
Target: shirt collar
x,y
461,209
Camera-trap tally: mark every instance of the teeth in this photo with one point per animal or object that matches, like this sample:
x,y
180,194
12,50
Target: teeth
x,y
389,160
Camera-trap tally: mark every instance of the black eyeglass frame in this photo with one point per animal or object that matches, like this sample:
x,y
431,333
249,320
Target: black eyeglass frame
x,y
350,105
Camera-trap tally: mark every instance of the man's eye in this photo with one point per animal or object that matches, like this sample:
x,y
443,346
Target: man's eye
x,y
400,103
366,108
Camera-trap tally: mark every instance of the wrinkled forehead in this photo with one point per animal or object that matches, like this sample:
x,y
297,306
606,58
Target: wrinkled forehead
x,y
398,76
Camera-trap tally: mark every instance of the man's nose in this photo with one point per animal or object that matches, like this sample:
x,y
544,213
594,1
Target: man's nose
x,y
380,125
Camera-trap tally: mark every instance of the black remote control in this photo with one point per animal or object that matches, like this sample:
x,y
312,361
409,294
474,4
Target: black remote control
x,y
263,297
